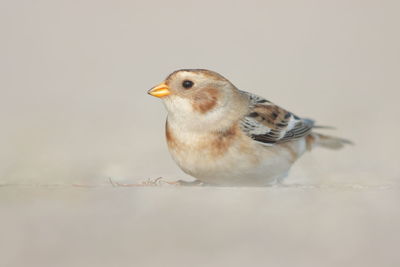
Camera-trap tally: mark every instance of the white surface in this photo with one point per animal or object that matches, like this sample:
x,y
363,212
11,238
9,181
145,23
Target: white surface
x,y
294,226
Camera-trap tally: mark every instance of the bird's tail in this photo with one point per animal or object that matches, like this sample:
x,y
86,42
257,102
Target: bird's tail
x,y
326,141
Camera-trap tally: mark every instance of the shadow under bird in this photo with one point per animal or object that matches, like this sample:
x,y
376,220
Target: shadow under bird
x,y
224,136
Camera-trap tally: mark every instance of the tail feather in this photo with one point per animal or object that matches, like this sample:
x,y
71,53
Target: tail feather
x,y
326,141
324,127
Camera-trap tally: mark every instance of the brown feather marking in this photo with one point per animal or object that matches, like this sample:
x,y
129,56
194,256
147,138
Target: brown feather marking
x,y
208,73
212,75
171,141
292,152
271,115
310,140
221,141
205,100
215,144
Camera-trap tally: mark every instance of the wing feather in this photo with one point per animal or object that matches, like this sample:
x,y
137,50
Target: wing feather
x,y
270,124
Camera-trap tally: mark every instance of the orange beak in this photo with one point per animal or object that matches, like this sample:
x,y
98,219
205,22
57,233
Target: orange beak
x,y
160,90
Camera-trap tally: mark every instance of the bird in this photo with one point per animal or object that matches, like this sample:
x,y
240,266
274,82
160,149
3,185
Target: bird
x,y
224,136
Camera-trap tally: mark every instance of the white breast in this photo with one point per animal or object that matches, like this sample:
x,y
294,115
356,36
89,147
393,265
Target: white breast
x,y
231,160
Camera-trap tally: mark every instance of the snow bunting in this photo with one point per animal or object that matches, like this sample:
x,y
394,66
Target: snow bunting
x,y
224,136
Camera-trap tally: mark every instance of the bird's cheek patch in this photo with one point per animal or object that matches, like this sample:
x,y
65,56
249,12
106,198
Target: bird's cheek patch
x,y
205,100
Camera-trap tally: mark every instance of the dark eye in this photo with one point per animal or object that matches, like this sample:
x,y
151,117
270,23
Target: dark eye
x,y
187,84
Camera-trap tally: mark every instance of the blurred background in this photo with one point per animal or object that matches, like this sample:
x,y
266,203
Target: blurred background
x,y
74,110
75,75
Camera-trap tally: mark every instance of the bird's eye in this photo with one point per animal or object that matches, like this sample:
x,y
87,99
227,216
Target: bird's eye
x,y
187,84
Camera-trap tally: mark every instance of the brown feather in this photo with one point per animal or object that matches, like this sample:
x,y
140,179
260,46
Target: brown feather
x,y
205,100
271,116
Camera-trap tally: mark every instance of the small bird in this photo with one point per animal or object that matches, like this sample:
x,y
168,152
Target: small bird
x,y
221,135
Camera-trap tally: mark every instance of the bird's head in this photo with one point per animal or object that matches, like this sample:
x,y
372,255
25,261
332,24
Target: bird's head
x,y
197,89
197,95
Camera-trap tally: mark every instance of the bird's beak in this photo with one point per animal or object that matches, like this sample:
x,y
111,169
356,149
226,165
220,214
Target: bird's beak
x,y
159,91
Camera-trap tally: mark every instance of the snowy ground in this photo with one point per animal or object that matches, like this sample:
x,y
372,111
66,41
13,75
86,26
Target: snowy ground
x,y
202,226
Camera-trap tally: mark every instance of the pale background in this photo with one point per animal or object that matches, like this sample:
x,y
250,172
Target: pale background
x,y
74,111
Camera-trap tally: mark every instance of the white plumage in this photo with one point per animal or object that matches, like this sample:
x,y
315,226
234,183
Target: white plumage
x,y
221,135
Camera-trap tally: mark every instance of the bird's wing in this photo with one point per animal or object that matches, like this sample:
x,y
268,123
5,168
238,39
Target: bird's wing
x,y
270,124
